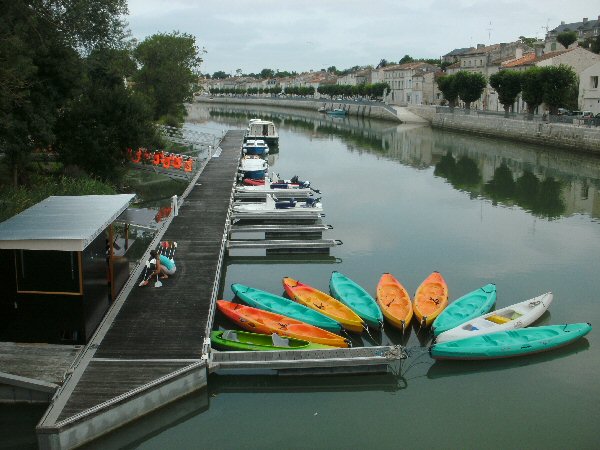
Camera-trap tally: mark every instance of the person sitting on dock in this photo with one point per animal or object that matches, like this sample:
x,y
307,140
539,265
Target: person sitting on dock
x,y
164,265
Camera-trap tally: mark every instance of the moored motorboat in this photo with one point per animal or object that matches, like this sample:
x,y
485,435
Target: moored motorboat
x,y
260,321
467,307
504,344
274,303
511,317
262,129
324,303
356,298
276,183
308,206
253,167
337,112
244,340
255,147
394,301
430,299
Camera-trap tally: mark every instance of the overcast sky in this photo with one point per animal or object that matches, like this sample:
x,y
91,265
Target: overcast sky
x,y
302,35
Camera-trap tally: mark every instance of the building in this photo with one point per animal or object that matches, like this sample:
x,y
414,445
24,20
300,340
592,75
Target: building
x,y
584,29
400,79
453,56
589,91
63,262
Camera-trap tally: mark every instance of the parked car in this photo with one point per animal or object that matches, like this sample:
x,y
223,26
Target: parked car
x,y
587,115
563,112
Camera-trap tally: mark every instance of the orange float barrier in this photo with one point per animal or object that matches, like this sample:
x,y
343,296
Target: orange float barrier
x,y
189,165
156,158
138,156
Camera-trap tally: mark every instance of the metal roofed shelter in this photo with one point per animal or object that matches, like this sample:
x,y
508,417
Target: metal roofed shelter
x,y
60,268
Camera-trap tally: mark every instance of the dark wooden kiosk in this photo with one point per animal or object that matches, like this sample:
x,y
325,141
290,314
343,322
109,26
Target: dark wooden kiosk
x,y
62,262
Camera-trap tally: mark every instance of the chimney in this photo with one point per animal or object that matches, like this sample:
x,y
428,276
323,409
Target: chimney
x,y
562,22
585,19
518,52
539,50
480,46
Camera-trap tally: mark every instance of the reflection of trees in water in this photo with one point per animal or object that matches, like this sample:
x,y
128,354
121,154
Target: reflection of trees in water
x,y
541,198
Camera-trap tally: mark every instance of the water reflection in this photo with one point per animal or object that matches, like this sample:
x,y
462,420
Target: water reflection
x,y
546,182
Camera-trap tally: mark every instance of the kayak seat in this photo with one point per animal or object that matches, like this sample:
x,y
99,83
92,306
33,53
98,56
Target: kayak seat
x,y
230,335
278,341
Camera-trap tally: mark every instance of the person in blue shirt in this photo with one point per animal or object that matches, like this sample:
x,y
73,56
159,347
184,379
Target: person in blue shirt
x,y
164,265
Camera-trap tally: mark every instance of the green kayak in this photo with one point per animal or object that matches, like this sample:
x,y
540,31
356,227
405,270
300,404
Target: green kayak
x,y
243,340
504,344
281,305
467,307
356,298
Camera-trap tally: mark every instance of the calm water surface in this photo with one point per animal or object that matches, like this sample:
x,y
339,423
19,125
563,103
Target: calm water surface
x,y
409,200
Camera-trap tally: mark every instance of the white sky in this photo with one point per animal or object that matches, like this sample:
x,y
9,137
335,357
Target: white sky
x,y
302,35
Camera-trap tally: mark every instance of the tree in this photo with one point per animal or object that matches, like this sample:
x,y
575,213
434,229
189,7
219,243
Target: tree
x,y
40,66
383,63
558,82
566,38
267,73
98,126
447,85
169,69
528,41
220,75
470,86
508,85
406,59
532,88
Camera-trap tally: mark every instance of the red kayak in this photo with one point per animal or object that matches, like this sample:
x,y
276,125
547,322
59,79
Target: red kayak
x,y
259,321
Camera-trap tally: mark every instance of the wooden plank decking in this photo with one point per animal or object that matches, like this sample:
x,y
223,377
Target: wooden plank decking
x,y
158,331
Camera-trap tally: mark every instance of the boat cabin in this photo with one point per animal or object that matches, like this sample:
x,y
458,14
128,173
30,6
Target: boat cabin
x,y
63,261
262,129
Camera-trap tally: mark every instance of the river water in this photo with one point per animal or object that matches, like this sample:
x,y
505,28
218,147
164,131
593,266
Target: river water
x,y
409,200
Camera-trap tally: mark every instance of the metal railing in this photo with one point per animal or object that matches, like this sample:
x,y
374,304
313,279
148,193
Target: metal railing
x,y
542,118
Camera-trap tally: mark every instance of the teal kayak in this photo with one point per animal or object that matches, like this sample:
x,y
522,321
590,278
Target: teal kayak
x,y
356,298
504,344
469,306
281,305
244,340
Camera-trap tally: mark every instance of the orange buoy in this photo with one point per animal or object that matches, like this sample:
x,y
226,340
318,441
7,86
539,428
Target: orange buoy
x,y
157,157
189,165
167,161
138,156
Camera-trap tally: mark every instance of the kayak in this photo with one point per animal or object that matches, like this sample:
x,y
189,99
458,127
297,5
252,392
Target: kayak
x,y
512,317
280,305
394,301
505,344
259,321
325,304
243,340
467,307
356,298
430,299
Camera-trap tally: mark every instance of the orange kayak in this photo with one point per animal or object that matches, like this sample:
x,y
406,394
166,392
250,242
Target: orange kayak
x,y
394,301
325,304
259,321
430,299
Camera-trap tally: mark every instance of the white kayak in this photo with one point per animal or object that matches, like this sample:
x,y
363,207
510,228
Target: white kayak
x,y
512,317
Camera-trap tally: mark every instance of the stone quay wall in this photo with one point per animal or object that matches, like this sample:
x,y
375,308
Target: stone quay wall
x,y
357,109
575,137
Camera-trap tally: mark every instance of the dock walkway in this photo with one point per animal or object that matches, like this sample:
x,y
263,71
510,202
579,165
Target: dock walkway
x,y
149,348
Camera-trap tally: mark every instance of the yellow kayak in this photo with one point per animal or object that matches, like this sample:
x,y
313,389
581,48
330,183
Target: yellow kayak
x,y
430,299
325,304
394,301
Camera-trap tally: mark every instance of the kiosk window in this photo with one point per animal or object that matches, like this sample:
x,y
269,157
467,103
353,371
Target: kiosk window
x,y
47,271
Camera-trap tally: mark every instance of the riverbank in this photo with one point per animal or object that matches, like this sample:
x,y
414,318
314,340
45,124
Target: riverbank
x,y
569,136
357,109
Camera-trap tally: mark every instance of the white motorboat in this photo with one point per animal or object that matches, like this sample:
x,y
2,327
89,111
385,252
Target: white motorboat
x,y
262,129
310,206
253,167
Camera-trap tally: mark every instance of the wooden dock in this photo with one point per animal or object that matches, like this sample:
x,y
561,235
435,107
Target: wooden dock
x,y
151,347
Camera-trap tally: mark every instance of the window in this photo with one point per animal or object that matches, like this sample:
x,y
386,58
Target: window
x,y
594,82
47,271
481,62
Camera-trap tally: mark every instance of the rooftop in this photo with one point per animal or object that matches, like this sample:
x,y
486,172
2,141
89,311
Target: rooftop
x,y
64,223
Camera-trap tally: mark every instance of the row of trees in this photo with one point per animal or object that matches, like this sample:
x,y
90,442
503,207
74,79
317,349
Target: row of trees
x,y
555,86
375,90
63,68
